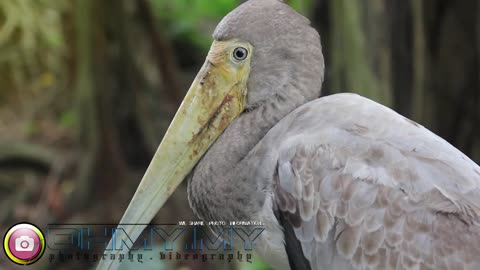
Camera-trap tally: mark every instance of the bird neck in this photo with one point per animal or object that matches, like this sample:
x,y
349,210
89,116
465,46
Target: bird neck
x,y
222,175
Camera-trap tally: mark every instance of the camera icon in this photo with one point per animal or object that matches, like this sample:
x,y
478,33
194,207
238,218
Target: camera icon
x,y
24,243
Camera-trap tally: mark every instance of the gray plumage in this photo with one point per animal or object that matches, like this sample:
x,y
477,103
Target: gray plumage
x,y
367,186
284,75
288,60
364,187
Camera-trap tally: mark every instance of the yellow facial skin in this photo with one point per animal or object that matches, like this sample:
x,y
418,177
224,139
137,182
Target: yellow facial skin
x,y
215,98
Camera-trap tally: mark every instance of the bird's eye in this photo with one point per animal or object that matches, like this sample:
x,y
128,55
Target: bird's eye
x,y
240,53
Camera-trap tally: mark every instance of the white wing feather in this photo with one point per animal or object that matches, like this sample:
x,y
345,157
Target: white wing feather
x,y
364,185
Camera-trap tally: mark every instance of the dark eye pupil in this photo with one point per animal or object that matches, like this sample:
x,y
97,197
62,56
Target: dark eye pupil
x,y
240,53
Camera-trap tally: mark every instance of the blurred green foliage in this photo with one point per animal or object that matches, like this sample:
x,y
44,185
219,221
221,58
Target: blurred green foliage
x,y
193,20
34,35
32,43
257,264
186,18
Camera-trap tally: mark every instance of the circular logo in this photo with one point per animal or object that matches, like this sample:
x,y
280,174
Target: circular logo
x,y
24,243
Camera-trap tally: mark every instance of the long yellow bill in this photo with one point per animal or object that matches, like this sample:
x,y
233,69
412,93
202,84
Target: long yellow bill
x,y
215,98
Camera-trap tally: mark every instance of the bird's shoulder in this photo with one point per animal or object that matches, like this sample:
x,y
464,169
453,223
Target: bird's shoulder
x,y
380,188
349,128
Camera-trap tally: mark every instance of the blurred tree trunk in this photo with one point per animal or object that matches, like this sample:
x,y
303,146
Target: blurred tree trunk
x,y
85,103
163,52
401,36
452,84
102,161
114,132
356,65
418,57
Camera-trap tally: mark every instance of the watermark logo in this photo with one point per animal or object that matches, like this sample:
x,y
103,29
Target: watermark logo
x,y
24,243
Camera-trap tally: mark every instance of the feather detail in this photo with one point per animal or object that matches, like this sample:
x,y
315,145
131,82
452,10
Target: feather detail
x,y
372,190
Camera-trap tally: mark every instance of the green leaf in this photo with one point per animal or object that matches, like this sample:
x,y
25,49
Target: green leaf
x,y
257,264
68,119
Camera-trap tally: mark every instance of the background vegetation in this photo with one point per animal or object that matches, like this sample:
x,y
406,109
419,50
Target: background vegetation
x,y
88,87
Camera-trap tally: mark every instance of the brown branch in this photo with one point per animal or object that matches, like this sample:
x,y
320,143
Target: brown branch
x,y
50,206
163,51
24,153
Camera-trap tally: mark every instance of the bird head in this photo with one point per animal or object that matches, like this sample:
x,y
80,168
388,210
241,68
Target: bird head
x,y
287,55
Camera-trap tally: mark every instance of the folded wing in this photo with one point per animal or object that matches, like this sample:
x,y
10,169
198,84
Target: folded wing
x,y
365,188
